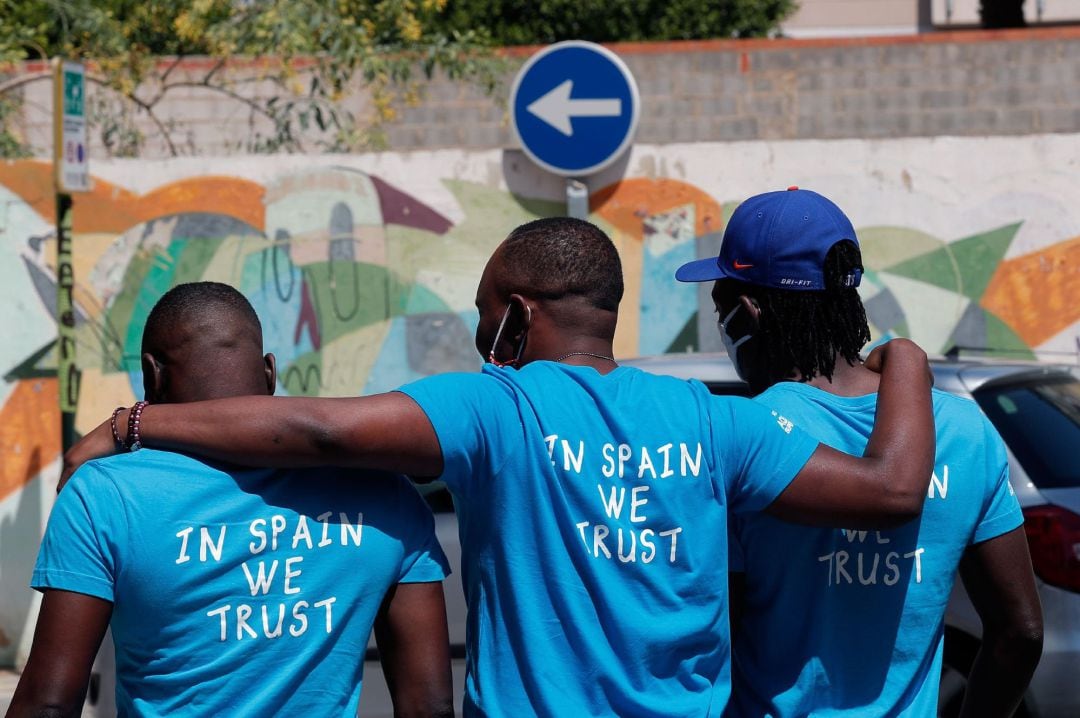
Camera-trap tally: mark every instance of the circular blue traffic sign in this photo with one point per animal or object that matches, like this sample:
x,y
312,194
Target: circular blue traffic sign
x,y
574,107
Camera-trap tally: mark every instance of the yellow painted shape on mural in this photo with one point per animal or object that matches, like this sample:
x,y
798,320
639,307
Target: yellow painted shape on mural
x,y
110,208
628,330
99,394
88,250
1037,294
348,360
227,264
29,432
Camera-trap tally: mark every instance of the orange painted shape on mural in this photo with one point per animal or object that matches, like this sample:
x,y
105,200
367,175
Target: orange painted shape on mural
x,y
626,204
1038,294
29,432
111,208
33,182
239,198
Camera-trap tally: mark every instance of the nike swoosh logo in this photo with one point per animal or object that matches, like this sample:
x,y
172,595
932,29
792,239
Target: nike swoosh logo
x,y
740,265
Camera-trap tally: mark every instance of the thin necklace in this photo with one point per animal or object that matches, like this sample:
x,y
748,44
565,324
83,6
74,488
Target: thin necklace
x,y
586,354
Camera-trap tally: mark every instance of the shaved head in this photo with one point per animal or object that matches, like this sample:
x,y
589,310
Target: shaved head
x,y
553,286
203,340
559,258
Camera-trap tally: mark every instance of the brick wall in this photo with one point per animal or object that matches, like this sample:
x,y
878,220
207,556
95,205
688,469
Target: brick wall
x,y
956,83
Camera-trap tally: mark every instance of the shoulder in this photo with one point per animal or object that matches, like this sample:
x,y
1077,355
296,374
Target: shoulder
x,y
662,383
461,385
138,472
344,483
952,408
961,419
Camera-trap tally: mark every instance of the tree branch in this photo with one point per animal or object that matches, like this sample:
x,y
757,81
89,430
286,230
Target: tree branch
x,y
17,82
149,108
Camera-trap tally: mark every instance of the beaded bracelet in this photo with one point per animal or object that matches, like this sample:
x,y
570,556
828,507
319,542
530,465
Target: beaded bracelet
x,y
115,433
134,439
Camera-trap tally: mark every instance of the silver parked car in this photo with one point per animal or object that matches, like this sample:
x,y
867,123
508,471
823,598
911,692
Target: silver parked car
x,y
1036,409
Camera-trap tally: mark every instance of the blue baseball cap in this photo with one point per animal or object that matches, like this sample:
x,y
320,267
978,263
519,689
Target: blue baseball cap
x,y
778,239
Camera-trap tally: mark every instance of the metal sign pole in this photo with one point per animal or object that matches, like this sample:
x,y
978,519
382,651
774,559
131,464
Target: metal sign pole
x,y
70,163
67,370
577,199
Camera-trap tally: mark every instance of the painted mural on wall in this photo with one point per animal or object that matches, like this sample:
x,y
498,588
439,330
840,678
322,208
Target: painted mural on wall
x,y
362,286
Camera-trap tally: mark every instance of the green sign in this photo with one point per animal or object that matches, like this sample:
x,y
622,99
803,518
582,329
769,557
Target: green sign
x,y
73,93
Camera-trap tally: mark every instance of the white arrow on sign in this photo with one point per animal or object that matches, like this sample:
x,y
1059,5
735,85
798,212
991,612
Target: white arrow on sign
x,y
556,108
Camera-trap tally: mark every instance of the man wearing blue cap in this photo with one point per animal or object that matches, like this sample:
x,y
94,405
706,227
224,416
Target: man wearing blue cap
x,y
840,621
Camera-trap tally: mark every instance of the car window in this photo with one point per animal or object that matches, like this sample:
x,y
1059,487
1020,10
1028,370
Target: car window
x,y
1040,421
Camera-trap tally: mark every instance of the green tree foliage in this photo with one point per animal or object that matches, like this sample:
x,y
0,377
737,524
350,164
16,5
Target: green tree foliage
x,y
528,22
312,52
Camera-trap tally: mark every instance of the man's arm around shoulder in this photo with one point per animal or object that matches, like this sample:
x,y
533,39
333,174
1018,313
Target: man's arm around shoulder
x,y
68,634
414,647
887,486
998,577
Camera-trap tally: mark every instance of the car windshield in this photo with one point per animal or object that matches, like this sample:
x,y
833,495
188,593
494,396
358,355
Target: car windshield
x,y
1040,421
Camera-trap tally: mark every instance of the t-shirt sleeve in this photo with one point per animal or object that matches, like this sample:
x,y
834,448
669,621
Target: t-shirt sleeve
x,y
424,559
76,552
468,413
758,450
1001,512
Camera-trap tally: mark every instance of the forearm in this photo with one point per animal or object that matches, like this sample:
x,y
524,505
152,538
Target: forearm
x,y
254,431
385,431
28,706
414,647
1000,675
69,631
899,455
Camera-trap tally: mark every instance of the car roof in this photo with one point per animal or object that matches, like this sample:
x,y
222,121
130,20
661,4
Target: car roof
x,y
704,366
951,374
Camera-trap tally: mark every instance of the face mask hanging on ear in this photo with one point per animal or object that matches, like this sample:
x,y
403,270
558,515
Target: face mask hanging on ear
x,y
513,363
731,346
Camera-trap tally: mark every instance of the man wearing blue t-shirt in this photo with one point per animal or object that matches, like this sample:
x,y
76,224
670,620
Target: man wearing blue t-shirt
x,y
593,498
233,591
839,621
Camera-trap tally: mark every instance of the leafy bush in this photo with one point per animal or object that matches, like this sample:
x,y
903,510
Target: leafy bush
x,y
534,22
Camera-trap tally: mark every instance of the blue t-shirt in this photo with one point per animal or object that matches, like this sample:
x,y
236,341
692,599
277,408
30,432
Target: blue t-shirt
x,y
239,592
593,519
851,622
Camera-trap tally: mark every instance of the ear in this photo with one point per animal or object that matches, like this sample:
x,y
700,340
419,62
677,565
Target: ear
x,y
153,379
522,312
753,309
270,369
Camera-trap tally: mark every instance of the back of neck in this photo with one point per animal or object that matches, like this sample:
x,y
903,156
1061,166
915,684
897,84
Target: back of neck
x,y
848,380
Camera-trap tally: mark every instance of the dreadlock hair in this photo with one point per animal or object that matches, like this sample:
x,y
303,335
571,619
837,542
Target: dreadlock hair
x,y
804,332
558,257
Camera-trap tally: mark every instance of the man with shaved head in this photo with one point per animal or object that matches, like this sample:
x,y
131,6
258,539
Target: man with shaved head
x,y
233,591
592,497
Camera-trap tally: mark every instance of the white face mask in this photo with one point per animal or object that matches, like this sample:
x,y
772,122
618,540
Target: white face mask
x,y
731,346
